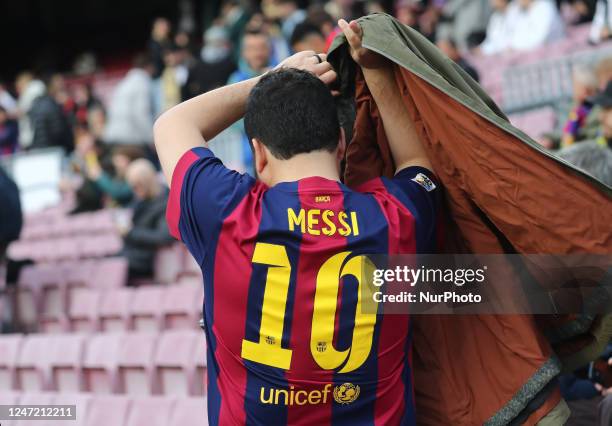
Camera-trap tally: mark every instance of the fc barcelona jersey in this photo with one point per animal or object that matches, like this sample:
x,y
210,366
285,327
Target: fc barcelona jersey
x,y
287,341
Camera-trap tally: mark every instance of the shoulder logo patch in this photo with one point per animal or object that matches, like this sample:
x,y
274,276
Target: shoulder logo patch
x,y
424,181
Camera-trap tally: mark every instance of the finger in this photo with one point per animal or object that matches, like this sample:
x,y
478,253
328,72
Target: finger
x,y
323,57
335,93
356,28
352,38
598,387
328,77
321,68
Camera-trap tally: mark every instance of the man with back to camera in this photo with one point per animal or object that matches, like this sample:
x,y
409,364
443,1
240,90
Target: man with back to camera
x,y
287,340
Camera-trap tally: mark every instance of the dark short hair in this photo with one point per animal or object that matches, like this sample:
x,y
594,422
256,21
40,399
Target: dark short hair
x,y
292,112
302,31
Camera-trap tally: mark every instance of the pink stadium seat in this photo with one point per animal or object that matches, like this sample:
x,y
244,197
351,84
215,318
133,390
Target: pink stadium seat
x,y
145,312
9,352
168,263
81,400
151,411
114,311
175,364
110,273
65,361
182,305
33,363
189,411
135,364
108,411
83,309
33,399
200,363
100,363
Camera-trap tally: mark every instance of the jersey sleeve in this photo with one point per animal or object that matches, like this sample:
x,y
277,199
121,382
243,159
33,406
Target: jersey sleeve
x,y
419,191
203,192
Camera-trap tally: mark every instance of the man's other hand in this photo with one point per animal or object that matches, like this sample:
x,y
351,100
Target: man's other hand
x,y
363,56
308,60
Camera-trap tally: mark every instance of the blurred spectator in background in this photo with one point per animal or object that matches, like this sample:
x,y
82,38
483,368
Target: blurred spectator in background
x,y
130,112
461,18
28,89
449,48
533,23
287,11
307,36
255,59
11,219
160,41
604,101
600,27
215,67
50,125
7,101
279,45
324,21
109,174
498,29
172,79
583,119
84,102
149,229
603,71
9,133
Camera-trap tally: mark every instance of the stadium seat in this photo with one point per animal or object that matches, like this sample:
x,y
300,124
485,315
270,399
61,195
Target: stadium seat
x,y
168,263
33,363
9,353
83,309
100,363
108,410
182,305
151,411
110,273
189,411
145,312
33,399
66,353
200,363
175,364
135,364
80,400
114,312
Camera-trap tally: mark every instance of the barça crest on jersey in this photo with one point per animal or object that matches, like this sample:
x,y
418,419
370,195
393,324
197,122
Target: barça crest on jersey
x,y
346,393
424,181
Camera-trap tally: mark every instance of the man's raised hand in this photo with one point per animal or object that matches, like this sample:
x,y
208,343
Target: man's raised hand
x,y
362,55
309,60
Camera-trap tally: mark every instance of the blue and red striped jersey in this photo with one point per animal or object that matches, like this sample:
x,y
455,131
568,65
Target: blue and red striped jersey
x,y
287,340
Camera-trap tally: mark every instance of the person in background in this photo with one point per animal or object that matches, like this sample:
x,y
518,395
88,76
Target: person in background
x,y
149,230
173,78
603,72
461,18
583,119
9,133
50,124
7,101
533,23
318,16
130,117
603,102
254,62
307,36
449,48
84,102
602,21
287,11
28,89
110,176
160,41
498,32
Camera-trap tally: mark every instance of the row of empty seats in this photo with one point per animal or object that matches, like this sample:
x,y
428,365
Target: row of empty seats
x,y
170,363
61,225
66,248
113,410
105,307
